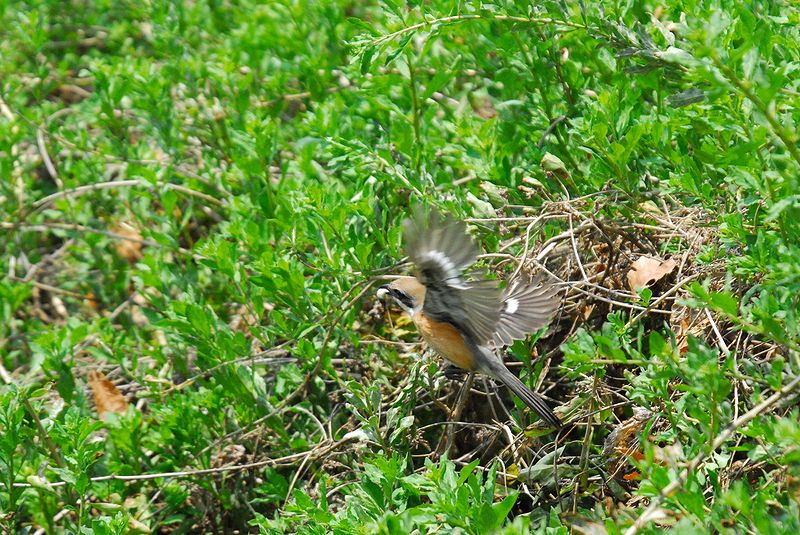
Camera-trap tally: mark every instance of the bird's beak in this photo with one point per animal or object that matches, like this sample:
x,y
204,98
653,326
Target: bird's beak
x,y
383,291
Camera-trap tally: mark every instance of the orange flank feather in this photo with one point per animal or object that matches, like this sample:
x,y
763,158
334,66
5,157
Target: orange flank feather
x,y
447,341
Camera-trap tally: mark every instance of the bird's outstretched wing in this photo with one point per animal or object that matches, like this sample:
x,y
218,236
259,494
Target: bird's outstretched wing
x,y
527,305
441,249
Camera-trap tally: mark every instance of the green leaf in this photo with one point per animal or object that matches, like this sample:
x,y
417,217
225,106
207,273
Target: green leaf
x,y
199,319
401,45
440,80
775,211
724,302
658,346
366,59
362,25
467,471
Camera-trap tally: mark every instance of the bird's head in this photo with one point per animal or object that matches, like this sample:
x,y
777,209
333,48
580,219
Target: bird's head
x,y
407,292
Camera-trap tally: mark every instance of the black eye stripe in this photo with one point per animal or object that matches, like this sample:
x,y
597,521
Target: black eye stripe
x,y
402,297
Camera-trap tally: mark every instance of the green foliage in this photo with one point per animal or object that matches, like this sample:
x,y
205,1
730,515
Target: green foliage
x,y
198,199
387,501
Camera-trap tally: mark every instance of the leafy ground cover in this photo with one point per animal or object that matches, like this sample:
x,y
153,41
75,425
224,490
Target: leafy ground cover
x,y
198,199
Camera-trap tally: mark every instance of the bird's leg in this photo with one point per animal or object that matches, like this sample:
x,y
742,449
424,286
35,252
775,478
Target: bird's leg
x,y
491,395
455,415
452,372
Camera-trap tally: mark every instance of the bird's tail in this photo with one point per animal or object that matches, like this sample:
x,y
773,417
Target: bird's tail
x,y
531,398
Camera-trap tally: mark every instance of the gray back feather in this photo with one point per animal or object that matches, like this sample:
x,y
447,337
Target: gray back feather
x,y
441,249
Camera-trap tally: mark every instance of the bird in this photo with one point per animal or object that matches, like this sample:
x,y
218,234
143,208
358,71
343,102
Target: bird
x,y
464,319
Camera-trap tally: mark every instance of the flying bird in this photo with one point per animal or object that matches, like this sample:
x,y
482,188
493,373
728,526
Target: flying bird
x,y
467,321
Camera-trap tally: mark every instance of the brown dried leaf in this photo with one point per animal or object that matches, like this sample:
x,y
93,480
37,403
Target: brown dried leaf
x,y
91,301
71,93
646,271
693,323
681,337
137,316
624,444
229,455
107,398
131,248
483,108
552,164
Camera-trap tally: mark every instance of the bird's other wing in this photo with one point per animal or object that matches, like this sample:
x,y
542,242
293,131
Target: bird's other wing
x,y
527,305
440,249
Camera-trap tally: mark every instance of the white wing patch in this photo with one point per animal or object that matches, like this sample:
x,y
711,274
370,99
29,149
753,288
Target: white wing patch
x,y
452,273
512,305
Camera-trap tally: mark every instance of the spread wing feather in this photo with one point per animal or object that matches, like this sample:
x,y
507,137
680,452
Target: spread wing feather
x,y
526,307
441,249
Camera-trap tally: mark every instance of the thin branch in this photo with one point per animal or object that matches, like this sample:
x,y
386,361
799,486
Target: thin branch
x,y
48,226
462,18
320,449
80,190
